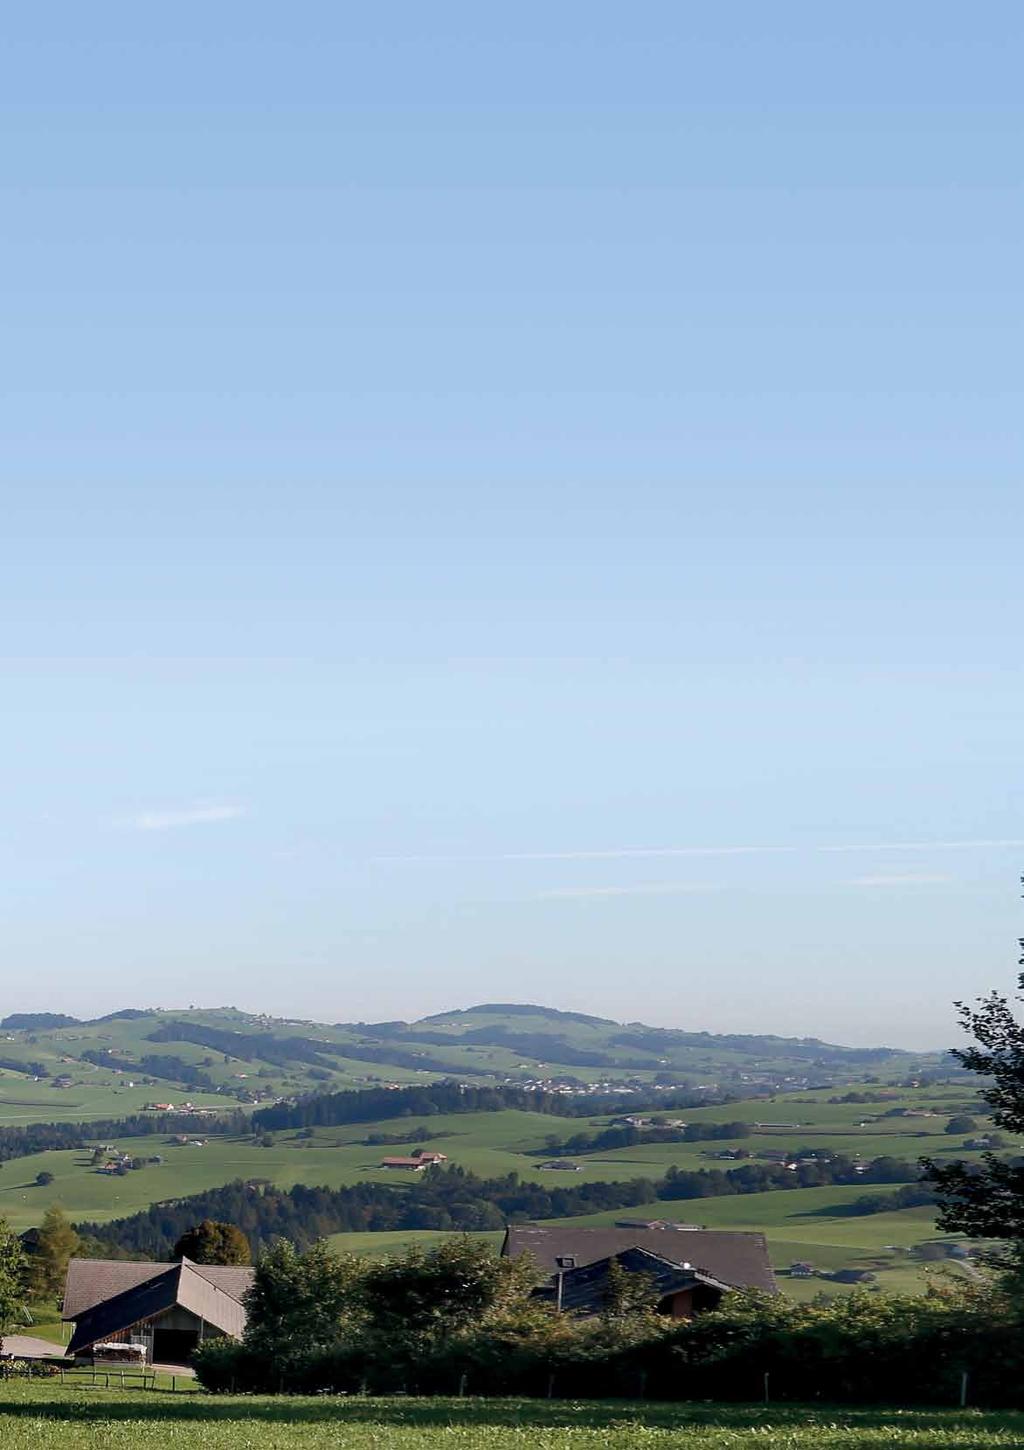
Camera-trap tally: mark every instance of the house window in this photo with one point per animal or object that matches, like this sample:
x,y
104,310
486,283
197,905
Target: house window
x,y
566,1261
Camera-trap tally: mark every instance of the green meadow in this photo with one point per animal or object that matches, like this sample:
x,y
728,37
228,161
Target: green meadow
x,y
489,1144
813,1225
35,1416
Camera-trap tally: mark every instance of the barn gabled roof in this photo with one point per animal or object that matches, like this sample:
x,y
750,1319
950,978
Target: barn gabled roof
x,y
183,1284
92,1281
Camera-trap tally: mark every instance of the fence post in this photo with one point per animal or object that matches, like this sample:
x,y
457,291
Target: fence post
x,y
462,1387
766,1400
174,1382
963,1389
551,1386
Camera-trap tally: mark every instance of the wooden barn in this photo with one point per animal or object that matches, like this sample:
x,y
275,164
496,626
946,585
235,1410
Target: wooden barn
x,y
167,1309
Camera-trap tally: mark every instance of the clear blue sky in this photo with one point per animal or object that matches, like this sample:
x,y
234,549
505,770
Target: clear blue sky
x,y
468,471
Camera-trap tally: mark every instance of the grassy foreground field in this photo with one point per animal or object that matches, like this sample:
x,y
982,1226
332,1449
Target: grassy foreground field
x,y
38,1417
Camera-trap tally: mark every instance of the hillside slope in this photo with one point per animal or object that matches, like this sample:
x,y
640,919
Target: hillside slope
x,y
53,1067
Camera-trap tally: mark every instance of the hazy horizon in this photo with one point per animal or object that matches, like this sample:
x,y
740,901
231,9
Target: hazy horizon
x,y
326,1019
514,506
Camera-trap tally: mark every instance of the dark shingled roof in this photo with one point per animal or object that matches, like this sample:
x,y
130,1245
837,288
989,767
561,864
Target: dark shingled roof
x,y
584,1289
92,1281
185,1284
739,1260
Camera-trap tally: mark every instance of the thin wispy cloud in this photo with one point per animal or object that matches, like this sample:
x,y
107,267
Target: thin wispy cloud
x,y
644,888
204,814
901,879
626,853
637,853
614,853
970,845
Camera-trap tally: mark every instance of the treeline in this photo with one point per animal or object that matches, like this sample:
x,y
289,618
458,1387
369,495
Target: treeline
x,y
625,1135
663,1040
245,1046
170,1068
20,1142
283,1051
331,1110
323,1110
544,1046
34,1069
451,1198
911,1195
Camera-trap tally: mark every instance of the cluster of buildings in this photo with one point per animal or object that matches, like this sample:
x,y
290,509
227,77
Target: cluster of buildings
x,y
415,1162
184,1110
607,1087
160,1313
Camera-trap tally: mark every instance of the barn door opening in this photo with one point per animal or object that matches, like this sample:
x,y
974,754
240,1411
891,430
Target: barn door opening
x,y
174,1346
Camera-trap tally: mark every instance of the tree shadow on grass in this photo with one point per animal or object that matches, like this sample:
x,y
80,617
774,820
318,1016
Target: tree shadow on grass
x,y
148,1406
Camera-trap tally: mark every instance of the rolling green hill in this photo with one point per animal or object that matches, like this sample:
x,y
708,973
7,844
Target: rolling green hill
x,y
789,1095
55,1067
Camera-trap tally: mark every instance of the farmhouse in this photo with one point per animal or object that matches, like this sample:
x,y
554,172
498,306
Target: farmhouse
x,y
426,1155
679,1290
168,1309
411,1165
689,1271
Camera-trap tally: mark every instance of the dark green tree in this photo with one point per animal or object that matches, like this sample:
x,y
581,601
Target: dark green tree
x,y
302,1304
626,1294
987,1200
961,1123
427,1296
47,1265
212,1242
12,1280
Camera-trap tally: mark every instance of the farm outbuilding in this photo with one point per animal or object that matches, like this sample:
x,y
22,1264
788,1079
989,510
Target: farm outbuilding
x,y
168,1309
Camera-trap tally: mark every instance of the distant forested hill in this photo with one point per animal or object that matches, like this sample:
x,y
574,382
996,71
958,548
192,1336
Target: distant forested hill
x,y
136,1055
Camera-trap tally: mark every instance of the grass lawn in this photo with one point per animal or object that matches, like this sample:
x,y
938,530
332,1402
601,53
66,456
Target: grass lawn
x,y
37,1416
380,1245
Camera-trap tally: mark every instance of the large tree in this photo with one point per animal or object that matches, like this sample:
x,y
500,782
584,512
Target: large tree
x,y
302,1304
987,1200
213,1242
48,1263
12,1280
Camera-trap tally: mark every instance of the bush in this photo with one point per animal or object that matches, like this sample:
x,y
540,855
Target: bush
x,y
456,1318
961,1123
